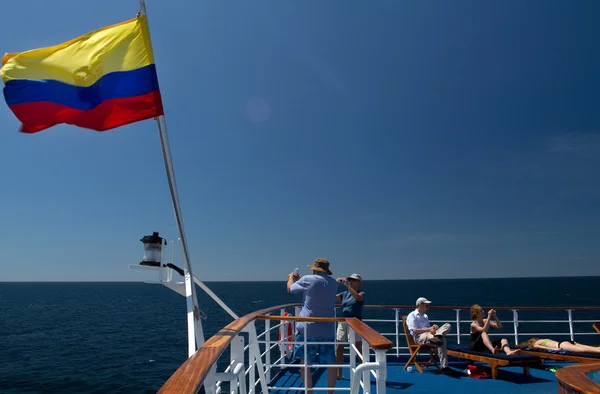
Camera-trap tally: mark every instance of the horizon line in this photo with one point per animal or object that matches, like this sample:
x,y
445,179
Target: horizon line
x,y
280,281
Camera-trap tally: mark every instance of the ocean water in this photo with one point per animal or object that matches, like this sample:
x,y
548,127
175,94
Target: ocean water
x,y
130,337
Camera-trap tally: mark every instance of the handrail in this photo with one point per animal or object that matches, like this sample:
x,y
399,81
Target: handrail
x,y
372,337
574,377
302,318
189,376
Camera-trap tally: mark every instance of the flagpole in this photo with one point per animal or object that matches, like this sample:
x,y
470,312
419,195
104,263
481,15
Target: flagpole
x,y
195,331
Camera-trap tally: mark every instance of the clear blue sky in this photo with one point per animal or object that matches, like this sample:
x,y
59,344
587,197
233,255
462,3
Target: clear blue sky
x,y
397,139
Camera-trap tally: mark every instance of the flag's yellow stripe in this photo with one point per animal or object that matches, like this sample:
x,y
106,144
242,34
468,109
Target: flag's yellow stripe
x,y
83,60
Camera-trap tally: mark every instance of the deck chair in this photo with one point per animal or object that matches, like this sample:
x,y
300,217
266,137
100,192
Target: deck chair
x,y
415,349
562,355
495,361
597,326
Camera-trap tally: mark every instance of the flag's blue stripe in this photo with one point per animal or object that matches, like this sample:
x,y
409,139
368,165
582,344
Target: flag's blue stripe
x,y
115,85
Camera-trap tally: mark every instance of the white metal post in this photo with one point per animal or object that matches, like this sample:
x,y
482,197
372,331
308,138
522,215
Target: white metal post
x,y
169,270
366,376
237,357
457,326
380,358
282,335
255,353
516,325
397,318
268,348
571,331
351,345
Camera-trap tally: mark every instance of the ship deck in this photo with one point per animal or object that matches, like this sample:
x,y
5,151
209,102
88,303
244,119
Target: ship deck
x,y
258,359
510,380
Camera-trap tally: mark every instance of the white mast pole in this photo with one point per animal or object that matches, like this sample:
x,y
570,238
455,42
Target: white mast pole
x,y
195,331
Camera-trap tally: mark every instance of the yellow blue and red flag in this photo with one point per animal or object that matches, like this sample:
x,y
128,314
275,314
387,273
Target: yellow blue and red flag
x,y
100,80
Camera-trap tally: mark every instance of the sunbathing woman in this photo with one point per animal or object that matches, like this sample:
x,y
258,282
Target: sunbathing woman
x,y
571,346
480,340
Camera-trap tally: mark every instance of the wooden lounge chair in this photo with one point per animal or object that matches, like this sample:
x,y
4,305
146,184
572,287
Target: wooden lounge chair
x,y
495,361
562,355
415,349
596,327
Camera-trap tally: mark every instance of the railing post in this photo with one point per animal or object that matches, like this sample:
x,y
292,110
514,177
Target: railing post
x,y
268,348
366,375
252,363
255,359
397,333
457,326
351,344
237,356
282,335
380,358
516,325
571,331
210,382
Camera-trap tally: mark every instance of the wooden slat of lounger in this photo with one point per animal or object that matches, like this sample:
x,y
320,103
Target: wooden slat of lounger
x,y
561,357
503,362
494,362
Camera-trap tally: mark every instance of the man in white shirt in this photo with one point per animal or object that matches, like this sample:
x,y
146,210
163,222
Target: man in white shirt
x,y
425,333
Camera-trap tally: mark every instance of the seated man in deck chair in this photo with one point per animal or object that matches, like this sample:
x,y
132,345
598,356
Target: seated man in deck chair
x,y
425,333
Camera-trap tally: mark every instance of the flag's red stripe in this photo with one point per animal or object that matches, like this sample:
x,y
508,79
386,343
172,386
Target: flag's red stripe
x,y
37,116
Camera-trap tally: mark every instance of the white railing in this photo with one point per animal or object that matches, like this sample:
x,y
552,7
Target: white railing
x,y
246,361
256,361
397,336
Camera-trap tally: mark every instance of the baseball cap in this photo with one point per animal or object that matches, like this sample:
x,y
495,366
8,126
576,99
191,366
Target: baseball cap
x,y
355,276
422,300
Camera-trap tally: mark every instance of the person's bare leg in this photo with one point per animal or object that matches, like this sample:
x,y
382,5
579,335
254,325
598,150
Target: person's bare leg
x,y
507,349
307,380
488,343
331,378
578,347
339,358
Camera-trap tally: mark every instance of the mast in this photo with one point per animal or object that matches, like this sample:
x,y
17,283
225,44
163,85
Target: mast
x,y
195,330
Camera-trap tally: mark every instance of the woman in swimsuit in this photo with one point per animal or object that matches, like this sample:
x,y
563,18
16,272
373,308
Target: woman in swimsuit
x,y
550,344
480,340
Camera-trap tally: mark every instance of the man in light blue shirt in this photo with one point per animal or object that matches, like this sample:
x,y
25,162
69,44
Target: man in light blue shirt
x,y
318,300
425,333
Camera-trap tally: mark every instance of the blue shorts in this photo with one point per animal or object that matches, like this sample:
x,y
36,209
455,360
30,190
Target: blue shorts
x,y
317,354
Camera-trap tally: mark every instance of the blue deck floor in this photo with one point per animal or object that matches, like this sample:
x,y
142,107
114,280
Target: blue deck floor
x,y
510,380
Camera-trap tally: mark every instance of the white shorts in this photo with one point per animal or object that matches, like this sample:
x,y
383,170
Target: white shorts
x,y
342,332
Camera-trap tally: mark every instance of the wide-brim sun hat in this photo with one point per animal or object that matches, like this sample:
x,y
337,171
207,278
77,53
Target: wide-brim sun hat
x,y
320,265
